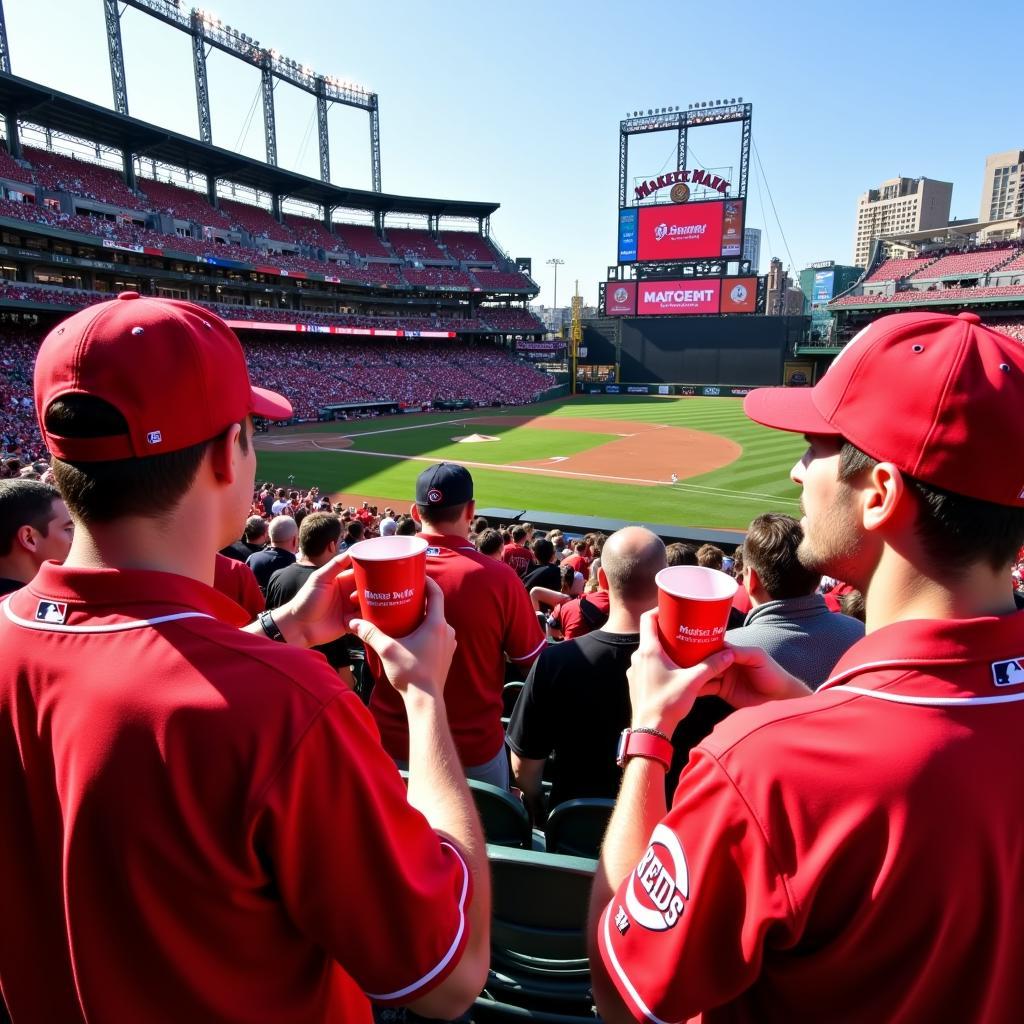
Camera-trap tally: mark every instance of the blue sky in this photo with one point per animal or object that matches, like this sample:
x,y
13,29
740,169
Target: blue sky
x,y
520,103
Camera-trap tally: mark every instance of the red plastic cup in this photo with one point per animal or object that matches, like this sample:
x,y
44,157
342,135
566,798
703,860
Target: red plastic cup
x,y
693,610
391,582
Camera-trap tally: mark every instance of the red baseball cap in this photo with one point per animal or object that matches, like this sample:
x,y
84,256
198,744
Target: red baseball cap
x,y
941,397
174,370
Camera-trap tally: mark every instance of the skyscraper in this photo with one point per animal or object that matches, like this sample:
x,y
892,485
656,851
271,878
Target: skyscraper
x,y
752,248
898,206
1002,194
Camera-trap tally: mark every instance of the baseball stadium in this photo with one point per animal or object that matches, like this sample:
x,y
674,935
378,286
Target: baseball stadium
x,y
235,793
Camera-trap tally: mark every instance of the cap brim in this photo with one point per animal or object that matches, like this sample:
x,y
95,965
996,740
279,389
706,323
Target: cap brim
x,y
270,405
790,409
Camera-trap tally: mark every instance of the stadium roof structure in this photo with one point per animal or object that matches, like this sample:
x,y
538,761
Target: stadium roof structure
x,y
65,114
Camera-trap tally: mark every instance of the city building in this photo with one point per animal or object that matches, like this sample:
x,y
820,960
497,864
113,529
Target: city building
x,y
782,298
820,283
899,206
1002,194
752,248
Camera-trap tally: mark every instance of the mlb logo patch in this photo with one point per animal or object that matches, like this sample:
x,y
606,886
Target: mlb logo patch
x,y
1008,673
433,551
51,611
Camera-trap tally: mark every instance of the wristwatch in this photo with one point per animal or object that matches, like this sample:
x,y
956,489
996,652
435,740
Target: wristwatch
x,y
651,743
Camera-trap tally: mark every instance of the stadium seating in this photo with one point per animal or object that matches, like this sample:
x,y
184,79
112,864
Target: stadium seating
x,y
503,815
312,232
469,246
577,827
182,203
256,220
965,263
914,297
538,940
438,277
501,280
1017,263
60,173
414,243
509,695
11,170
895,270
362,240
511,320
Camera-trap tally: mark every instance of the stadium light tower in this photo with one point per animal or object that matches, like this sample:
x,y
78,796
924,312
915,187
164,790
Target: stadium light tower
x,y
556,263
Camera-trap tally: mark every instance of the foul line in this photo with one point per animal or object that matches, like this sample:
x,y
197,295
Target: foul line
x,y
679,485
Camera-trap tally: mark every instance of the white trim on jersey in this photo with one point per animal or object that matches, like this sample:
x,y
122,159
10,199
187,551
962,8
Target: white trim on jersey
x,y
624,978
114,627
524,657
446,959
937,702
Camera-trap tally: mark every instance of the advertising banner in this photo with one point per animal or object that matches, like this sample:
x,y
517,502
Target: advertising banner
x,y
732,228
627,235
690,231
637,389
739,295
678,298
620,298
824,284
798,374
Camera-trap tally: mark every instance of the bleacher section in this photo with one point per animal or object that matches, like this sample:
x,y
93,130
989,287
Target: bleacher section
x,y
182,203
499,280
58,173
468,246
915,297
362,240
965,264
895,270
412,243
254,219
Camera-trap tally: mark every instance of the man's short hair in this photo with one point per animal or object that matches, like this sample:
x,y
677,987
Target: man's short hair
x,y
679,553
543,550
406,527
354,532
770,550
489,542
24,503
518,534
98,492
710,557
437,516
956,530
255,527
282,530
317,532
579,547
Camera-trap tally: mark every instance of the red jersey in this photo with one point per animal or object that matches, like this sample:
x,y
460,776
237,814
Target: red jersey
x,y
518,558
741,600
571,619
488,607
200,824
236,580
849,856
579,563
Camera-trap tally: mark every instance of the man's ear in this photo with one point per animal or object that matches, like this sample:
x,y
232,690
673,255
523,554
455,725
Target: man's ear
x,y
224,453
602,578
751,580
883,496
26,538
415,513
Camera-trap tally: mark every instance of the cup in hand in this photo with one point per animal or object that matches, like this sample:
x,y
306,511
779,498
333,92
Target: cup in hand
x,y
390,576
693,610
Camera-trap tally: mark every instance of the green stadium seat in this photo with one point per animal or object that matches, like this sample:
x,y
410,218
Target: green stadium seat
x,y
505,818
538,930
509,695
577,827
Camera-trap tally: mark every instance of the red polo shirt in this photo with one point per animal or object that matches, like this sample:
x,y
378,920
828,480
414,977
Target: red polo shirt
x,y
236,580
569,617
517,558
486,604
850,856
200,824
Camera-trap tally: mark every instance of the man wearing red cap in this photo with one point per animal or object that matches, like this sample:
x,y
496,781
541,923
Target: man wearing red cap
x,y
851,854
200,823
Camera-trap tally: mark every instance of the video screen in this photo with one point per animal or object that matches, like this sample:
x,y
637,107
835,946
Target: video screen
x,y
678,298
703,230
620,298
739,295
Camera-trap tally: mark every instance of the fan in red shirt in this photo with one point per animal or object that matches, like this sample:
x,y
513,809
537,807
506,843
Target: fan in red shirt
x,y
199,821
851,854
578,560
488,607
516,555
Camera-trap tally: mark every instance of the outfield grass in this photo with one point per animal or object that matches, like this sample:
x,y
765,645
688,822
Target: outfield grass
x,y
725,498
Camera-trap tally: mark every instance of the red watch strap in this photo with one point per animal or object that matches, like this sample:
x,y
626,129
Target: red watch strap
x,y
648,744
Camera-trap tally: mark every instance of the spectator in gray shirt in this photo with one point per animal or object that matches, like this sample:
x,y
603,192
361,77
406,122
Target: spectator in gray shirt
x,y
788,619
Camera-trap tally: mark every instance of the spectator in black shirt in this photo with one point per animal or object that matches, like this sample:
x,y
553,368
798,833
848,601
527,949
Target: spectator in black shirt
x,y
284,539
34,528
546,573
254,538
576,699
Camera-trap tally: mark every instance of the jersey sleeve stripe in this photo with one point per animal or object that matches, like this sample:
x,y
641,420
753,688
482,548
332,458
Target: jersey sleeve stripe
x,y
525,657
115,627
623,983
402,993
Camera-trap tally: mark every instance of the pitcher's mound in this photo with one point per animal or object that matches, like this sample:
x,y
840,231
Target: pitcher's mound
x,y
475,438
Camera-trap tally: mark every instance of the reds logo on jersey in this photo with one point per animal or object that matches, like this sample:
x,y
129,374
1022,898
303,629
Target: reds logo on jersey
x,y
659,887
1008,673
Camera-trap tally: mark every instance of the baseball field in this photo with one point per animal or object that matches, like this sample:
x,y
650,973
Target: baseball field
x,y
590,455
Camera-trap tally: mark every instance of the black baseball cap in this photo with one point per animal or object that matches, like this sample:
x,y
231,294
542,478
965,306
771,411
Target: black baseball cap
x,y
444,485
